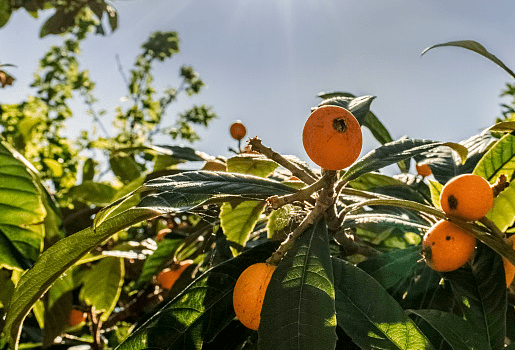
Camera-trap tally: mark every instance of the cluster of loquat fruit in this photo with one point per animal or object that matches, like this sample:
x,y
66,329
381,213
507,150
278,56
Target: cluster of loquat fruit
x,y
332,139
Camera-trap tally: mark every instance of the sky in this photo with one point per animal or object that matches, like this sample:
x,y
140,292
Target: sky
x,y
264,62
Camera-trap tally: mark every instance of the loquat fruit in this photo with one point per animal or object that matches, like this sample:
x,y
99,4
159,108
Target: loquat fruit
x,y
467,196
167,278
446,247
332,137
238,130
249,293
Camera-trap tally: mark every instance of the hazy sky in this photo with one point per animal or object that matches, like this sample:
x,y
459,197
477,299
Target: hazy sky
x,y
264,61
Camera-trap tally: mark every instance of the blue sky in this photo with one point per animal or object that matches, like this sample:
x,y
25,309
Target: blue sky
x,y
264,61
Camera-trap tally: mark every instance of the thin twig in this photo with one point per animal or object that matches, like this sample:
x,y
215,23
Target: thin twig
x,y
257,146
275,202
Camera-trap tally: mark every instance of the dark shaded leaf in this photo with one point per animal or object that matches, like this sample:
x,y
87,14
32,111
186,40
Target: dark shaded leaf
x,y
201,311
59,22
460,334
390,268
298,310
445,165
369,315
358,106
388,154
125,167
481,293
184,191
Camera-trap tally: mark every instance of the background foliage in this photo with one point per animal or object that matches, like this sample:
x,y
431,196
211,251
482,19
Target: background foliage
x,y
82,223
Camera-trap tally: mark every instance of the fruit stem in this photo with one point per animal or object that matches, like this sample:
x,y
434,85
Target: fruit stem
x,y
325,200
256,145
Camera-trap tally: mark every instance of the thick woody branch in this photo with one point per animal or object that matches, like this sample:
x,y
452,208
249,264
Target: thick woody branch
x,y
324,201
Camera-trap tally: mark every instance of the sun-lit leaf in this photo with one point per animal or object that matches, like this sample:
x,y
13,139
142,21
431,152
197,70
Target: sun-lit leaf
x,y
95,193
102,284
436,189
22,212
499,159
278,220
299,300
502,212
57,259
369,315
477,48
238,222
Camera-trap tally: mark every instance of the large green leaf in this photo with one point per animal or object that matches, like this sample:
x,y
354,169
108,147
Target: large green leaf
x,y
500,159
298,310
460,334
481,293
95,193
390,153
22,212
477,48
369,315
102,284
57,259
239,221
200,312
125,167
502,212
186,190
